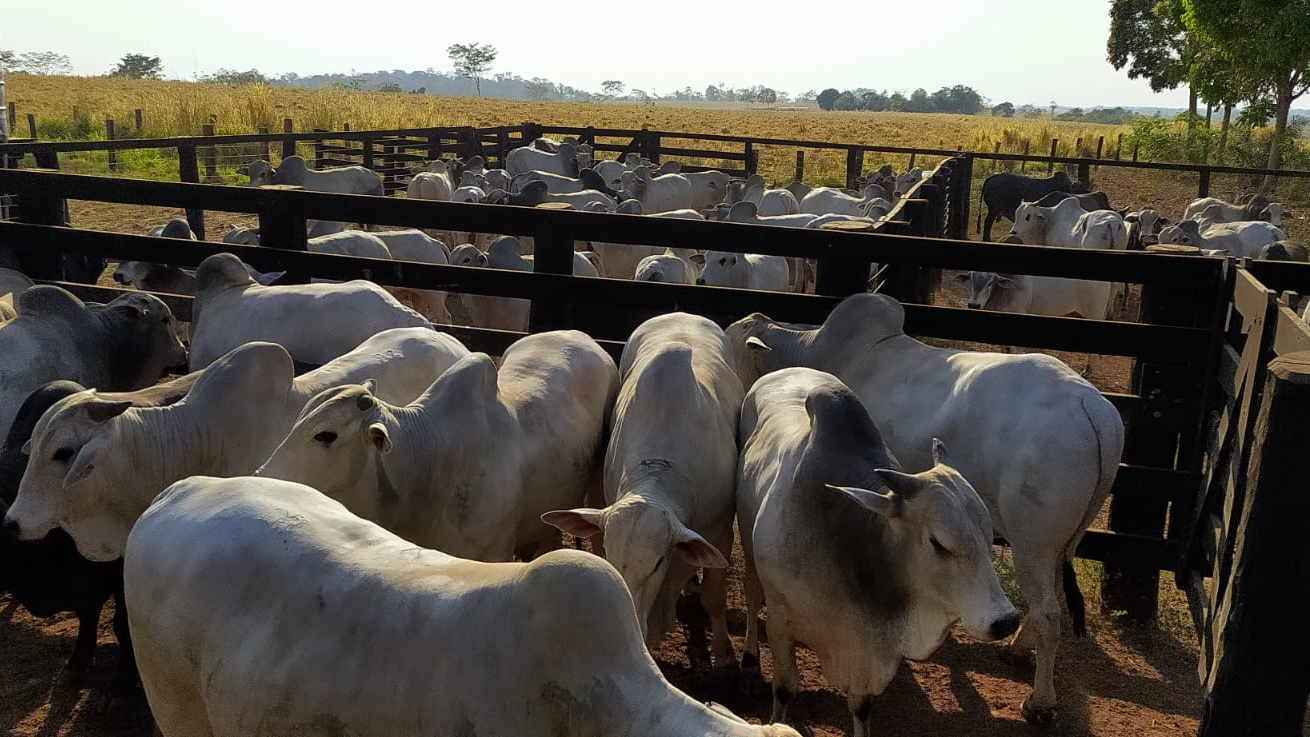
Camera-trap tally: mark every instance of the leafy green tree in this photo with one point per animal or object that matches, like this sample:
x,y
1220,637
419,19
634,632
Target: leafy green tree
x,y
232,76
43,62
873,101
1004,110
612,87
844,101
1267,42
767,95
538,88
919,102
959,99
138,66
1149,38
472,61
827,98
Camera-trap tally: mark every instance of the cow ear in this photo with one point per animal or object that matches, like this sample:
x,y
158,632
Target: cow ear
x,y
1130,218
27,447
757,344
907,486
377,435
963,276
129,310
697,551
698,259
101,411
86,460
1165,221
939,456
1004,282
581,522
885,505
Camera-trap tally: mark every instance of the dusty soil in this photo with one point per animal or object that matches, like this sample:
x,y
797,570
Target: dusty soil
x,y
1119,680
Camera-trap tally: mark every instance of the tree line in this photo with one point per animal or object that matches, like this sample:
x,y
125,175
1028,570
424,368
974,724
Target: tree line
x,y
959,99
1226,52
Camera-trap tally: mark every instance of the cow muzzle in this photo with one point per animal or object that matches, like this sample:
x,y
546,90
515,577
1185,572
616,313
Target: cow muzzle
x,y
121,278
10,529
975,306
700,280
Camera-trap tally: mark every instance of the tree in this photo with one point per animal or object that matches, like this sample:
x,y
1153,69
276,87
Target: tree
x,y
7,58
138,66
1268,42
391,87
232,76
958,99
43,62
1148,37
472,61
919,102
844,101
612,87
1004,110
767,95
827,98
538,88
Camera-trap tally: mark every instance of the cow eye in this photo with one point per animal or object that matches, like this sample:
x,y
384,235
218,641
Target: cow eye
x,y
1027,217
62,455
937,546
723,262
327,437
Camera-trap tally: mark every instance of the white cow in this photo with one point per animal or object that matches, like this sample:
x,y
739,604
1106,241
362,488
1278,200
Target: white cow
x,y
528,158
425,471
1215,209
708,188
124,345
227,654
658,194
1144,227
435,184
862,563
1068,225
1240,239
556,184
746,212
743,271
1037,441
829,200
767,201
669,473
294,170
415,245
96,464
506,252
1037,295
349,243
12,284
667,267
315,322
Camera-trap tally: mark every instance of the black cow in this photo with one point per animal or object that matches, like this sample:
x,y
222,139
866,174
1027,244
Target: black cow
x,y
1090,201
1003,192
49,576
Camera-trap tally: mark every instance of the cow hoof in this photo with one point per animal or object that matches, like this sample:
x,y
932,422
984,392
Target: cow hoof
x,y
727,670
750,679
72,677
1038,716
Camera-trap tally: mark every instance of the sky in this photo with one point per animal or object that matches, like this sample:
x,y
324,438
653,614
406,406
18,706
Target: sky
x,y
1022,51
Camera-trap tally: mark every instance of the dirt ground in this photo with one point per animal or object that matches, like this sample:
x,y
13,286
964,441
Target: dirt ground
x,y
1119,680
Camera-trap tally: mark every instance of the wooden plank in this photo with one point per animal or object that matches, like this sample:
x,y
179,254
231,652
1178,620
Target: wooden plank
x,y
1250,297
1124,548
1291,335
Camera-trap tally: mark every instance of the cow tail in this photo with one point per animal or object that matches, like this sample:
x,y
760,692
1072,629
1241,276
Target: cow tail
x,y
1105,473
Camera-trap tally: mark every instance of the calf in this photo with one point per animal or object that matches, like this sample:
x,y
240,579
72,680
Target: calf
x,y
470,466
1037,295
669,473
743,270
864,564
1239,240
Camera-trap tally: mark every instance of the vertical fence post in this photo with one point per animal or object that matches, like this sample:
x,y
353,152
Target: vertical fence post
x,y
434,147
553,255
31,126
367,141
1119,148
288,144
654,146
390,170
1050,164
1135,145
188,170
43,205
839,278
799,176
209,154
1085,172
1078,147
1023,165
1203,188
278,229
13,115
109,136
1258,681
1100,146
752,159
345,127
913,156
854,166
318,150
137,118
46,158
263,131
963,191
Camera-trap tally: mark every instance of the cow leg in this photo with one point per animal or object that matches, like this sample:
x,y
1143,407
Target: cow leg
x,y
84,649
125,681
786,679
987,224
714,597
861,706
752,678
1039,579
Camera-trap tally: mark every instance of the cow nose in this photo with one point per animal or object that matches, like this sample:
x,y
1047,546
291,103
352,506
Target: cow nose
x,y
1005,626
10,529
700,280
975,306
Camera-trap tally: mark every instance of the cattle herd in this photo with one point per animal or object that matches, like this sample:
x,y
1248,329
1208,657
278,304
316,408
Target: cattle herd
x,y
339,520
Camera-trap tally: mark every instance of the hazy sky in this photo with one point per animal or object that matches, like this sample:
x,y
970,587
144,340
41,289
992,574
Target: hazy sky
x,y
1025,51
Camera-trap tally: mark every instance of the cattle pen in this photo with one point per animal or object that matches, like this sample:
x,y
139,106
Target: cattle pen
x,y
1207,490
